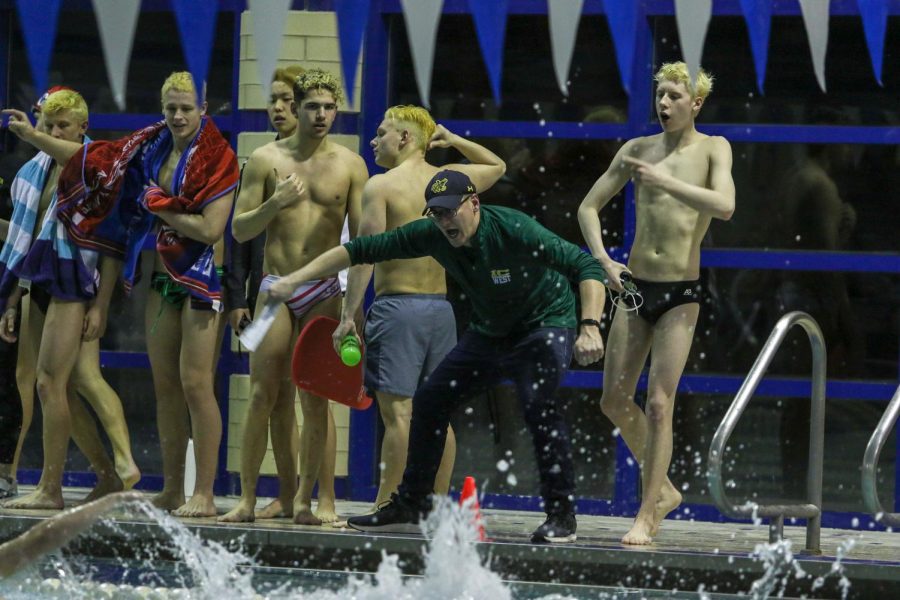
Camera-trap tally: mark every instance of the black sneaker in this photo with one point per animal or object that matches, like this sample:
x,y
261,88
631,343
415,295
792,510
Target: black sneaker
x,y
395,516
559,528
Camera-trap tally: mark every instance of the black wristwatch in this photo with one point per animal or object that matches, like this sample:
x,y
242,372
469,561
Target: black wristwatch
x,y
593,322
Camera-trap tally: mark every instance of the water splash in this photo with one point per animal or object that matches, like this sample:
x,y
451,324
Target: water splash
x,y
454,570
779,563
215,571
837,569
781,567
209,570
453,567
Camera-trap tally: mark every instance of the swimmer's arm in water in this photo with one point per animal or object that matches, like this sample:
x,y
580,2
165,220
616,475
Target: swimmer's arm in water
x,y
57,531
716,200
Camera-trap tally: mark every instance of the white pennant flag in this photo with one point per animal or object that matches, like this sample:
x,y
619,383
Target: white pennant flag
x,y
815,18
692,17
564,16
117,21
422,17
269,17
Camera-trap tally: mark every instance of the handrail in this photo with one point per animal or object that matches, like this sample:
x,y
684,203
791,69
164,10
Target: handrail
x,y
813,510
870,463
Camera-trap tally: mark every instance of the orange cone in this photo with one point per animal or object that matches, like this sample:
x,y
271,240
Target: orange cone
x,y
469,498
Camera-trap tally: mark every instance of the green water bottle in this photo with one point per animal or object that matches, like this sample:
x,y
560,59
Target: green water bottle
x,y
350,353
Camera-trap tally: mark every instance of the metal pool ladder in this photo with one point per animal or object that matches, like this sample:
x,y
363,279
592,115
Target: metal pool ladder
x,y
870,463
812,511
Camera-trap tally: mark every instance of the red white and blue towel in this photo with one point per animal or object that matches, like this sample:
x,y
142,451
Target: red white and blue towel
x,y
108,197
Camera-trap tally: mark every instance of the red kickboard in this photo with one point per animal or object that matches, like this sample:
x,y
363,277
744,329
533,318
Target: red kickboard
x,y
316,367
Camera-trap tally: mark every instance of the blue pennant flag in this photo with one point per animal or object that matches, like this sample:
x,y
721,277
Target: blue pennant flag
x,y
490,25
758,15
874,18
196,26
352,16
622,18
38,20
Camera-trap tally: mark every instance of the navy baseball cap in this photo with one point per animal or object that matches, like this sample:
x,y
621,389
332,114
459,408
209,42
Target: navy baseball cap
x,y
447,190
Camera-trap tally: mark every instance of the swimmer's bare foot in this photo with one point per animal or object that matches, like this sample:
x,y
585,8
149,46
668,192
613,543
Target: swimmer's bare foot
x,y
303,514
639,535
199,505
339,525
38,500
168,501
669,500
129,473
275,510
105,485
242,513
326,511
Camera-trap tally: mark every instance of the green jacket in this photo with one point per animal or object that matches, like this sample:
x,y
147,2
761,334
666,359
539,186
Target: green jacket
x,y
515,274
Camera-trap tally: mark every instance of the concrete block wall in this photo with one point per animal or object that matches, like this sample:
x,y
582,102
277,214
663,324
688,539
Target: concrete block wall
x,y
310,40
239,403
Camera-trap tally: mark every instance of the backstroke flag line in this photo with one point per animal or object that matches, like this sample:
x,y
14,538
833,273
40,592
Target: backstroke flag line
x,y
564,16
38,21
692,18
352,16
196,19
874,18
197,25
269,17
815,18
622,18
490,26
422,18
117,22
758,15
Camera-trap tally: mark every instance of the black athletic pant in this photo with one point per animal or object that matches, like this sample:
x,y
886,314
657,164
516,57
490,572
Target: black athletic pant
x,y
536,362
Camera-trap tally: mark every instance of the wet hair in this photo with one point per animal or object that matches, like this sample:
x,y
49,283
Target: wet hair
x,y
416,119
178,81
318,79
678,72
36,107
65,100
288,75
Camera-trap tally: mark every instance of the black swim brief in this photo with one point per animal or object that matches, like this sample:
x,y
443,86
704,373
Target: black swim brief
x,y
40,298
662,296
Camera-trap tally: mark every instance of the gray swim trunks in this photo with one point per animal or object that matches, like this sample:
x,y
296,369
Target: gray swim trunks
x,y
406,336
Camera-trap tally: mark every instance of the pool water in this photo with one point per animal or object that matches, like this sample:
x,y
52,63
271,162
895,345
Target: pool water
x,y
206,570
97,578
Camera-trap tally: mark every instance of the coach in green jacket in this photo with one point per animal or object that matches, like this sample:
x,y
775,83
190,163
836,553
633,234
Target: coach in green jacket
x,y
517,276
